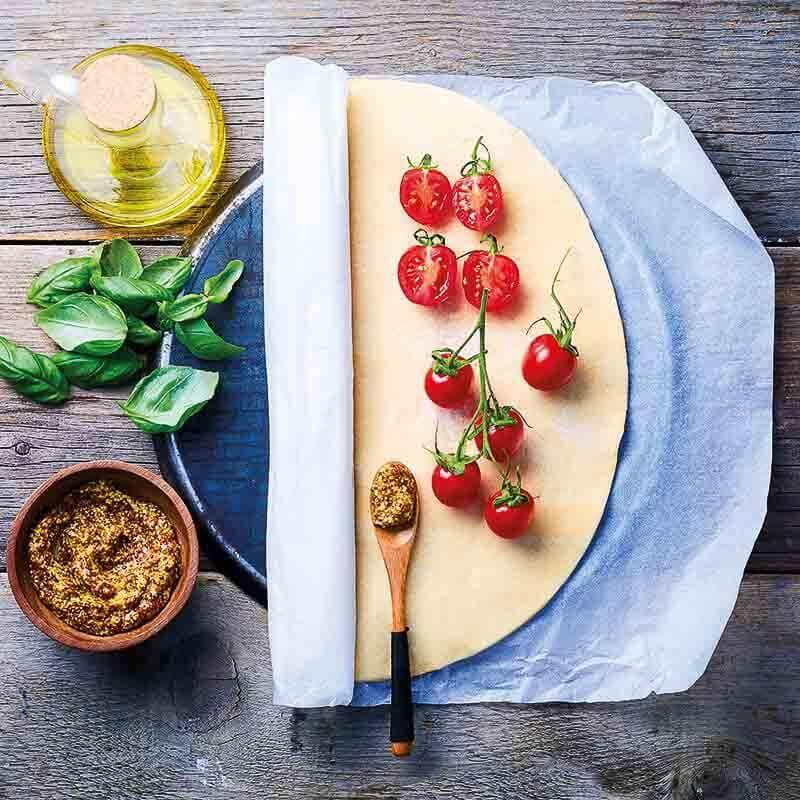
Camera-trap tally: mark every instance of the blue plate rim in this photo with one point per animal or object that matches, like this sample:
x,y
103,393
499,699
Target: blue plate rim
x,y
225,556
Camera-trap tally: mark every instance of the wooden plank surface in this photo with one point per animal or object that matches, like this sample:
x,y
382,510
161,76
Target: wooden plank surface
x,y
35,441
188,715
731,69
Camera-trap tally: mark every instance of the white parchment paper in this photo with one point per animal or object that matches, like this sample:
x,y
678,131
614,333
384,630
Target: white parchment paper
x,y
646,606
310,543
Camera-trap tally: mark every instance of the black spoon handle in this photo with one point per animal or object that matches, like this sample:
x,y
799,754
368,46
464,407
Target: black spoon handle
x,y
401,730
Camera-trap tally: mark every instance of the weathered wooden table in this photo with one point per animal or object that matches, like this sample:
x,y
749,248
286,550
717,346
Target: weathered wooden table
x,y
188,715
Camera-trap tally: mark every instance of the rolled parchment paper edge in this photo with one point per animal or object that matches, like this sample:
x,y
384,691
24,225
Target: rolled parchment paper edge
x,y
308,348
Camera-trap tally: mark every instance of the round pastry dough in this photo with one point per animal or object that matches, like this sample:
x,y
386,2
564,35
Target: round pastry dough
x,y
467,588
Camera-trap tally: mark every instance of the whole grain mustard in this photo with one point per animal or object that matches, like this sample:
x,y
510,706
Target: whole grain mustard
x,y
393,497
103,561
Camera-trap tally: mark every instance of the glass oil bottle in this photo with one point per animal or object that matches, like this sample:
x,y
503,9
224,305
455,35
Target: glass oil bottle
x,y
133,142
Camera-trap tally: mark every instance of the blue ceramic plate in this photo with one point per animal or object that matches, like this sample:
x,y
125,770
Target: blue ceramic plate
x,y
219,461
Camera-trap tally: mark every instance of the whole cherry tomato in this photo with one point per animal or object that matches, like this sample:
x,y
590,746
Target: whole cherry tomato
x,y
506,432
547,364
453,488
477,196
551,358
425,192
448,382
509,511
489,269
427,271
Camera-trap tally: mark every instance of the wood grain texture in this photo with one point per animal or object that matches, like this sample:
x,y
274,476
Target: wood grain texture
x,y
188,715
730,69
34,442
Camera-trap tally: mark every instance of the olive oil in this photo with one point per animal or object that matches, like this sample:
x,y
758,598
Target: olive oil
x,y
153,172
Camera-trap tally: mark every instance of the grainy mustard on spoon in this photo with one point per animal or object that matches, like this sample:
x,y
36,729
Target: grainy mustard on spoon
x,y
394,506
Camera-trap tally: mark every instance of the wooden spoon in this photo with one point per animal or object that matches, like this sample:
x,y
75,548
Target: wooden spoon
x,y
394,505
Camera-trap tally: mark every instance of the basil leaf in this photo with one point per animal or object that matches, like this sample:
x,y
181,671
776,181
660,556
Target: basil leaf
x,y
186,307
118,257
32,374
131,294
61,279
91,371
200,340
140,333
84,323
170,272
218,287
163,400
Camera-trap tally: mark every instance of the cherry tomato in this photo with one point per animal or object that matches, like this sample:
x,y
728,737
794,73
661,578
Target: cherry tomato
x,y
547,365
504,440
512,518
428,271
477,196
446,386
551,359
456,491
425,192
493,271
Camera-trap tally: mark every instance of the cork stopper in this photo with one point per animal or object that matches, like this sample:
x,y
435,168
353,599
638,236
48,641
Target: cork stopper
x,y
116,93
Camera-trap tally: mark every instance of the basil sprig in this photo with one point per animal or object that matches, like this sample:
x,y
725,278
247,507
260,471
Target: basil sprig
x,y
32,374
92,308
162,401
216,289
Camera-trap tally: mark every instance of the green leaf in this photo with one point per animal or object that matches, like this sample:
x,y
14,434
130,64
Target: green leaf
x,y
61,279
118,258
84,323
170,272
218,287
131,294
32,374
91,371
200,340
140,334
163,400
189,306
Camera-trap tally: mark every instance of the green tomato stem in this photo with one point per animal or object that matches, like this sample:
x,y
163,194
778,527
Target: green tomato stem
x,y
486,393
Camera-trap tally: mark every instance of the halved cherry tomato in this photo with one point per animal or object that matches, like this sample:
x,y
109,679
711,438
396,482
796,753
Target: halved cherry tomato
x,y
477,196
490,269
551,358
509,511
425,192
448,382
454,490
506,433
547,365
428,271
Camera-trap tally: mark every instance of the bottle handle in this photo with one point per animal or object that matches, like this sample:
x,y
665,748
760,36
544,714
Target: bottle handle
x,y
39,81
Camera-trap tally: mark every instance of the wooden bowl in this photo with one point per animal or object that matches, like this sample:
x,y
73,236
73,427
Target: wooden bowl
x,y
137,482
